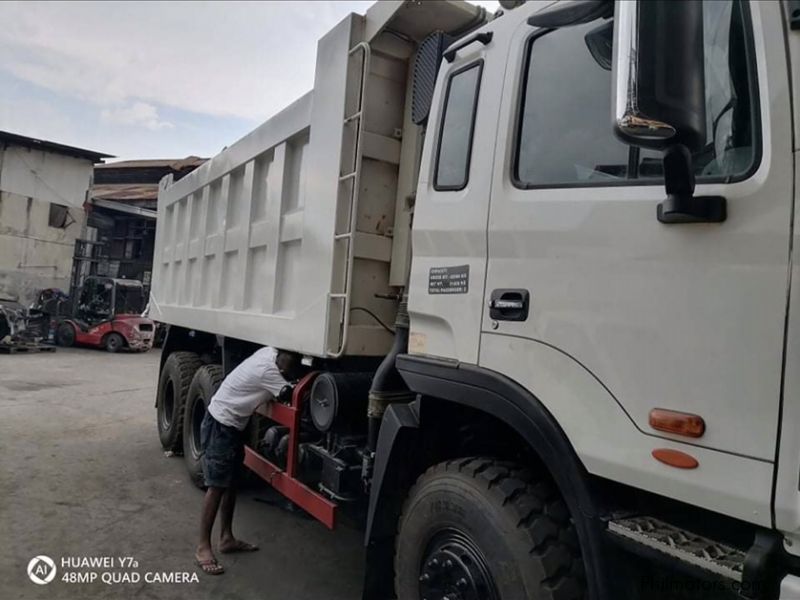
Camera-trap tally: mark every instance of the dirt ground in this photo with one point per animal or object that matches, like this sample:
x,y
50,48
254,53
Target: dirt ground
x,y
82,475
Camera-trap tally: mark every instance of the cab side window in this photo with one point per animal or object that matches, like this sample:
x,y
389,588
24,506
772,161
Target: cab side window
x,y
565,137
457,126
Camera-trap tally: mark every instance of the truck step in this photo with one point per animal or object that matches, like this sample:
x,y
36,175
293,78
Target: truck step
x,y
682,545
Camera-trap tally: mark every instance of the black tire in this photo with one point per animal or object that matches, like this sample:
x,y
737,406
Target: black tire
x,y
5,328
204,384
65,335
496,532
173,385
114,342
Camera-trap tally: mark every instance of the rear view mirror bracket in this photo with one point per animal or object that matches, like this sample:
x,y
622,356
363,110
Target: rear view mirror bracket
x,y
681,205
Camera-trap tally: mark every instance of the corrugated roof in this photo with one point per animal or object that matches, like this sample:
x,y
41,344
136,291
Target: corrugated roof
x,y
125,191
48,146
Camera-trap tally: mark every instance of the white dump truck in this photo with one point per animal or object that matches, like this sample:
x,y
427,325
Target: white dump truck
x,y
541,266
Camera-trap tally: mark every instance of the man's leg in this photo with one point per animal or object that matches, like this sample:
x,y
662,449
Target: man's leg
x,y
211,504
226,518
216,474
227,542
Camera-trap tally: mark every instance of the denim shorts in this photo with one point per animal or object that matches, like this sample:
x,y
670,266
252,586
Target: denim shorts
x,y
223,453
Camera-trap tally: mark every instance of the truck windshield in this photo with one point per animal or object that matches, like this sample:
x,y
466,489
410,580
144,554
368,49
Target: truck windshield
x,y
565,136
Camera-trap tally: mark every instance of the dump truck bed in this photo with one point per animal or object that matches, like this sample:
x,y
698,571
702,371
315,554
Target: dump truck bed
x,y
290,236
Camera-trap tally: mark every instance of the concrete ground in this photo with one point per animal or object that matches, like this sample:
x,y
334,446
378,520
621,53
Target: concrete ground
x,y
82,474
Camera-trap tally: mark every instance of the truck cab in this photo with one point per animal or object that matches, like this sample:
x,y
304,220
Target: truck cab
x,y
606,312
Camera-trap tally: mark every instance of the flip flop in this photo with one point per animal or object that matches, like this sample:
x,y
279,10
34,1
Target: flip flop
x,y
240,547
210,566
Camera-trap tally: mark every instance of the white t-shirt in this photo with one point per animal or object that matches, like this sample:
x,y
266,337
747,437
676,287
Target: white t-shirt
x,y
255,381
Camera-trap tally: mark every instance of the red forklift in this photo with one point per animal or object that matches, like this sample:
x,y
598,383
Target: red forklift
x,y
107,314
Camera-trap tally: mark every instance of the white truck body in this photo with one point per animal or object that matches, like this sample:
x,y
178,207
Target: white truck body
x,y
625,315
256,244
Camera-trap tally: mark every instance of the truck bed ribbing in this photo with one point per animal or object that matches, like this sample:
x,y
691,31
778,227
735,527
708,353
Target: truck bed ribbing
x,y
283,236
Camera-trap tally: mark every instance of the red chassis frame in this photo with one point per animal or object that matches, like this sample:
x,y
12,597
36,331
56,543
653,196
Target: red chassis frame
x,y
286,482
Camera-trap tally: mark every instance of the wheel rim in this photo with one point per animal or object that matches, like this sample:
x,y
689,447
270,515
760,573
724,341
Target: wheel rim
x,y
454,568
114,342
167,405
198,412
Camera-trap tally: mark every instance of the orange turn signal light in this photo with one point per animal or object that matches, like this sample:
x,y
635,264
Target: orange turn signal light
x,y
675,458
678,423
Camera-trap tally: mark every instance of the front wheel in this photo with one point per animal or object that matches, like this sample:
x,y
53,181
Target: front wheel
x,y
65,335
114,342
479,528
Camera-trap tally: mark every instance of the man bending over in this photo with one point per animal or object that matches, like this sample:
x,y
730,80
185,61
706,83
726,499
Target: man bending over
x,y
255,381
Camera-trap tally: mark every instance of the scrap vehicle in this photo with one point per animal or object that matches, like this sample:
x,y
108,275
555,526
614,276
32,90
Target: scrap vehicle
x,y
20,325
13,317
107,313
541,268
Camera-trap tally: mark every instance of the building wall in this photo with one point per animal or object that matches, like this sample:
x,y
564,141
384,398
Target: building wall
x,y
44,175
33,254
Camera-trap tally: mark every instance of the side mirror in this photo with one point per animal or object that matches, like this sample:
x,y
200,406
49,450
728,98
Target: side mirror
x,y
659,97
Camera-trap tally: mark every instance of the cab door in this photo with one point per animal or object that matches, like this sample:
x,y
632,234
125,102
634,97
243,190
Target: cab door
x,y
688,317
449,234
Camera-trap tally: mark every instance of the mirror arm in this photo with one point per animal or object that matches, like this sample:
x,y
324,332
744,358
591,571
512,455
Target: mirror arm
x,y
681,205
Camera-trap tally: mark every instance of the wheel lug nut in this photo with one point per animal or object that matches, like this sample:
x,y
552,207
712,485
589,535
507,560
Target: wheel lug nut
x,y
448,564
425,577
434,563
461,583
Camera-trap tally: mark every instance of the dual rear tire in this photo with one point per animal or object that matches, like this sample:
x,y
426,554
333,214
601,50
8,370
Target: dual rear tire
x,y
173,388
185,389
204,385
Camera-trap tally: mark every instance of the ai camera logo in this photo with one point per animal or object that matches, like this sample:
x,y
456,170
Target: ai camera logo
x,y
41,569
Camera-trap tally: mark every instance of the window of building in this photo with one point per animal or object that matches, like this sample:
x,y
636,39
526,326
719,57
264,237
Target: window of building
x,y
458,123
565,135
59,216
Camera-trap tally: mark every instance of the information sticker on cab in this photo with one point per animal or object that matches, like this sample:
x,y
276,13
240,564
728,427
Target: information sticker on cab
x,y
448,280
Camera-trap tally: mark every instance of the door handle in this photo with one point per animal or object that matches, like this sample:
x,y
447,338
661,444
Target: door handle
x,y
509,305
484,38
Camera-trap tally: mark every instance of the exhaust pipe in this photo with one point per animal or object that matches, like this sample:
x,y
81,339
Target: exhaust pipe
x,y
387,385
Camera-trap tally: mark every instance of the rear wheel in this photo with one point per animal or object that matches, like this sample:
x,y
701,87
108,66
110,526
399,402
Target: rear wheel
x,y
65,335
477,528
114,342
173,385
204,385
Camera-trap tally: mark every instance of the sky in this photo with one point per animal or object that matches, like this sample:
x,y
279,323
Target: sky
x,y
157,79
